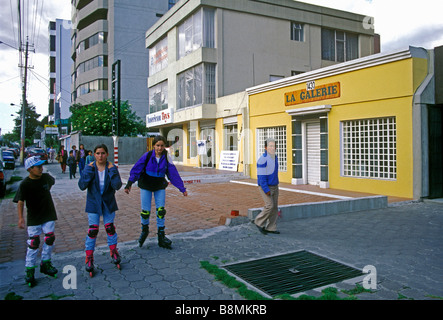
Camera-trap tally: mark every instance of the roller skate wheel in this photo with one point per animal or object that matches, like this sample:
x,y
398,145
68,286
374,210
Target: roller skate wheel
x,y
91,274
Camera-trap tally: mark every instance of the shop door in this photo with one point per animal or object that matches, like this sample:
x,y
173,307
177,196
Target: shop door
x,y
435,128
208,159
313,152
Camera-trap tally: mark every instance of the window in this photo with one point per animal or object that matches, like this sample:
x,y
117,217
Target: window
x,y
338,45
297,33
190,86
192,152
279,135
171,3
370,148
209,82
99,61
52,43
158,56
100,37
275,78
196,32
231,140
100,84
158,97
51,64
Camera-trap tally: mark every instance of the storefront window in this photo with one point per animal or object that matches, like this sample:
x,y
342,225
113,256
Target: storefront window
x,y
192,151
279,135
297,149
370,148
231,141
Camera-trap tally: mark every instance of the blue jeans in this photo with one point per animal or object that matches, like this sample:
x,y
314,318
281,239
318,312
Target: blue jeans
x,y
146,199
94,219
81,165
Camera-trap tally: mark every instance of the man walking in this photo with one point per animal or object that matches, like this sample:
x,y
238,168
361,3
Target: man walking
x,y
267,178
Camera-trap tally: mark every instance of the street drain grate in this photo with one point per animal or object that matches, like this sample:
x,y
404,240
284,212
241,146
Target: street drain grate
x,y
292,273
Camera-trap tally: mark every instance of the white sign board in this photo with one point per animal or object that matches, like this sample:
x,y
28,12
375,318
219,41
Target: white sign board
x,y
228,160
51,129
159,118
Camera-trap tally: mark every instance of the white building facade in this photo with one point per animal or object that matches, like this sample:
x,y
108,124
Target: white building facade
x,y
203,54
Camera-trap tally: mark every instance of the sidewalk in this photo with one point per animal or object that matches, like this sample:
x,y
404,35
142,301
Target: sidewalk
x,y
211,198
403,242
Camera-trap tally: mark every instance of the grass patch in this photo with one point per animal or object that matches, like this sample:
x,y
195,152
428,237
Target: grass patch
x,y
13,296
14,179
56,297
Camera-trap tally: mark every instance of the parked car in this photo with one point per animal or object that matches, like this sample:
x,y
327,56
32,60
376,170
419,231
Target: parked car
x,y
2,181
37,152
15,151
8,159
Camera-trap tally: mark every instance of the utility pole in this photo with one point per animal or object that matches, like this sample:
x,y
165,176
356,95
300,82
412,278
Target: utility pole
x,y
24,106
116,78
24,100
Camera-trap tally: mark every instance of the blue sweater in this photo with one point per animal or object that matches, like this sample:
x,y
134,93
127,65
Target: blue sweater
x,y
156,169
267,171
95,200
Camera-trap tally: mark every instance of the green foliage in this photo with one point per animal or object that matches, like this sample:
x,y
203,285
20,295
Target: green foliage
x,y
31,124
96,119
13,296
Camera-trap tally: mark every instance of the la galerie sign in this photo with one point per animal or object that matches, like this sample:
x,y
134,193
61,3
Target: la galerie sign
x,y
313,93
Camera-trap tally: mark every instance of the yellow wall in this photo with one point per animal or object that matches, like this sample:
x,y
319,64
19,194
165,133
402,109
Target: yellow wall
x,y
377,91
220,141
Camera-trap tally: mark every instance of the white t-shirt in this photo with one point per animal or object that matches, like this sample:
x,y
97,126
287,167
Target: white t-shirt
x,y
101,178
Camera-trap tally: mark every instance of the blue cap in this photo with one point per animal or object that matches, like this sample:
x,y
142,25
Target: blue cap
x,y
33,161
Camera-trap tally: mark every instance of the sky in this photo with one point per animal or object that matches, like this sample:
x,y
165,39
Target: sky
x,y
400,23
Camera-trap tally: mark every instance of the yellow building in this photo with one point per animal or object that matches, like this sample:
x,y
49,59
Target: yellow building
x,y
361,125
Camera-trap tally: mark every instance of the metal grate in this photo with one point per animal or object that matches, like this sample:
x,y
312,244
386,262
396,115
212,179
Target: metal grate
x,y
292,273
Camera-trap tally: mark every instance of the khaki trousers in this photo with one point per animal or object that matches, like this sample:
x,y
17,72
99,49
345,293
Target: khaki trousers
x,y
268,217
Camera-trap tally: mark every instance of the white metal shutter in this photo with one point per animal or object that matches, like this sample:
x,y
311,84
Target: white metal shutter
x,y
313,152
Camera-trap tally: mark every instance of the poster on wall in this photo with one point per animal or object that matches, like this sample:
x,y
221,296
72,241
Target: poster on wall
x,y
228,160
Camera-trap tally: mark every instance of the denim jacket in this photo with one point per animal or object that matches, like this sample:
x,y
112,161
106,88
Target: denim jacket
x,y
95,200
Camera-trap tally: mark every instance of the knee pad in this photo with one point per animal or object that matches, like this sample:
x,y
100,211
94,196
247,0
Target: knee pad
x,y
161,212
49,238
34,242
110,229
145,214
93,231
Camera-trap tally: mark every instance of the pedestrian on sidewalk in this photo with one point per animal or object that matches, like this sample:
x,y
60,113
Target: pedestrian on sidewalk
x,y
89,158
72,164
62,158
267,179
34,190
102,180
150,171
81,158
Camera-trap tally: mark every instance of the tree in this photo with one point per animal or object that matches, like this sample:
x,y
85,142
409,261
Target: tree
x,y
31,124
95,119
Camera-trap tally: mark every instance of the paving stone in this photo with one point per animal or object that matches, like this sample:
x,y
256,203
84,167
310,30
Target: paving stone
x,y
403,242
